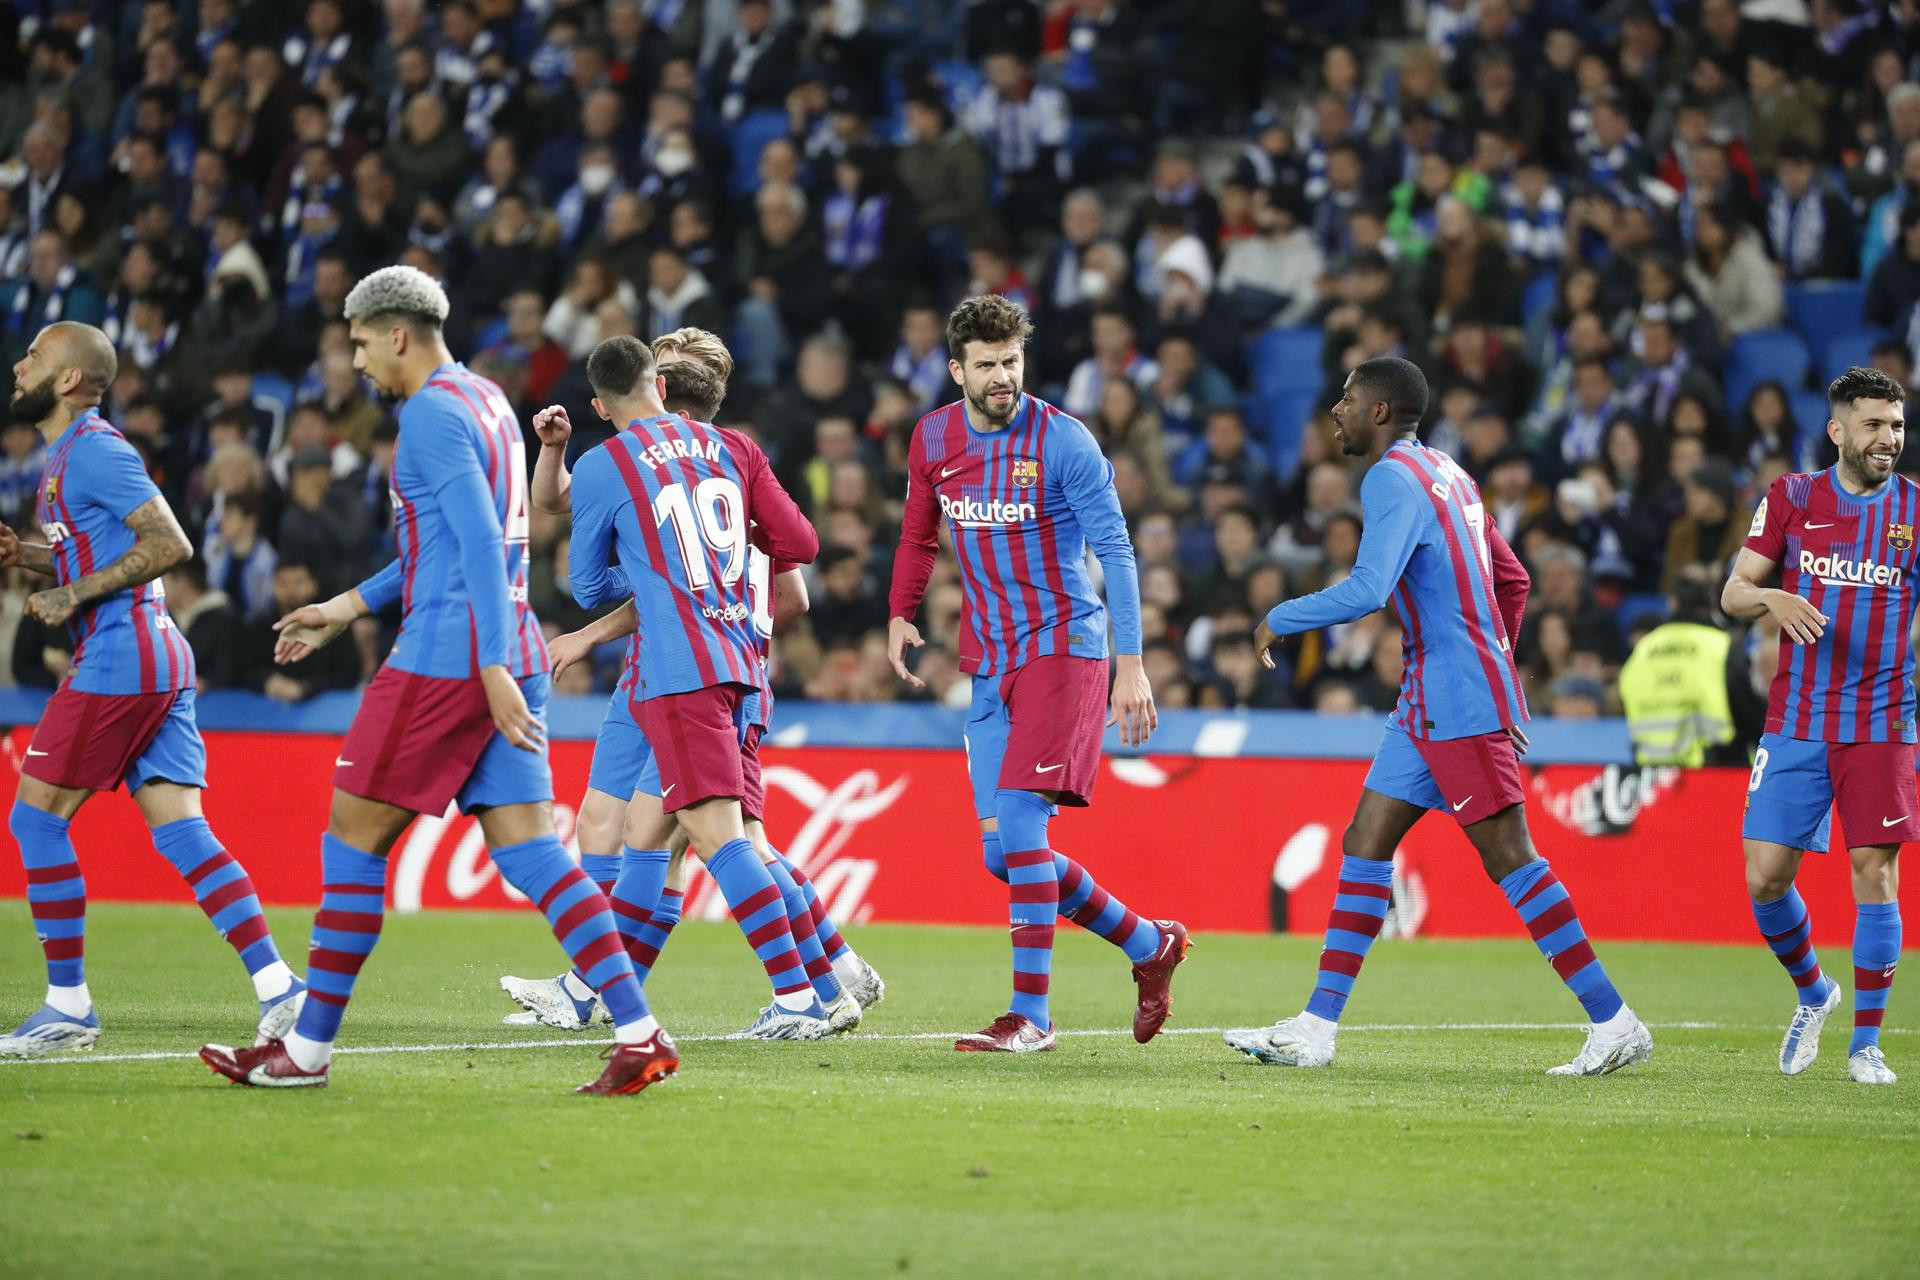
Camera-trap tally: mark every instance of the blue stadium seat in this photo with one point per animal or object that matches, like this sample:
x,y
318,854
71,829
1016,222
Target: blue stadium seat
x,y
961,80
1286,360
271,386
1753,358
1634,607
1843,347
1286,414
1818,311
750,135
1809,413
1539,296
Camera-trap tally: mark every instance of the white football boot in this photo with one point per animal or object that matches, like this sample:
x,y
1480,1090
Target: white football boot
x,y
1304,1040
1801,1045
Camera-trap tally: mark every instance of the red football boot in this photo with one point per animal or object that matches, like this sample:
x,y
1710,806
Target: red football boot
x,y
632,1067
265,1066
1155,980
1010,1033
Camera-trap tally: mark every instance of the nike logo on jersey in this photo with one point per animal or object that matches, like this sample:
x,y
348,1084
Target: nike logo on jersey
x,y
32,752
1463,804
1892,822
1048,768
949,471
1812,525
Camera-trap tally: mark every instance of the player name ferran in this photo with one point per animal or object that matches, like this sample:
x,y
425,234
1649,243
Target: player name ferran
x,y
659,455
973,511
1864,572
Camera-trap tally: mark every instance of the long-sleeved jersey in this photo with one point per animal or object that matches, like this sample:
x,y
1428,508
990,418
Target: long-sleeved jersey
x,y
676,498
459,491
1459,592
124,642
1023,504
1853,559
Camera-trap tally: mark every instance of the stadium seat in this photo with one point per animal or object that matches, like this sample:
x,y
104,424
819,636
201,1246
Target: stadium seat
x,y
1286,414
1286,360
271,386
1820,310
1809,413
1842,348
1637,606
750,136
961,80
1540,294
1764,355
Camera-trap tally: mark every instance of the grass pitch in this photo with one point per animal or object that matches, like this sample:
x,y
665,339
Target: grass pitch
x,y
1423,1151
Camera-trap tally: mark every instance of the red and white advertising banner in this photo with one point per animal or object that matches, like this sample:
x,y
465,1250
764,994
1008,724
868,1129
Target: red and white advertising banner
x,y
1248,845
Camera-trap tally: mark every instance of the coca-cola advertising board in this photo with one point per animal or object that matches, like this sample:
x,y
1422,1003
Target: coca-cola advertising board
x,y
889,835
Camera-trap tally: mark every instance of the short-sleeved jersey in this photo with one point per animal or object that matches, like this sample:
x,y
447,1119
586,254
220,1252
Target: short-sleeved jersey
x,y
676,499
1430,553
1023,504
124,642
460,470
1854,560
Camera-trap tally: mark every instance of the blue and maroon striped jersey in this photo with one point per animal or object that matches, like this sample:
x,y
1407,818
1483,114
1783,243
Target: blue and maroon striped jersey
x,y
459,490
1429,550
676,499
1853,559
1023,505
761,572
124,642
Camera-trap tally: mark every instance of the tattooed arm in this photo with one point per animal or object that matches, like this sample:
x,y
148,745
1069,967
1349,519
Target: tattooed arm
x,y
26,555
158,545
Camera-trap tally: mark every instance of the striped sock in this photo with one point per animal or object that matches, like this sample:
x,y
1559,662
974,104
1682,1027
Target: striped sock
x,y
1789,933
806,936
1876,953
1360,905
1086,904
1033,899
56,895
761,913
602,868
223,889
353,904
1546,909
831,942
643,878
581,920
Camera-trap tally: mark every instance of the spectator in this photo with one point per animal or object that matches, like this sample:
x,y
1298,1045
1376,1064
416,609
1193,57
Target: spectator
x,y
1809,227
335,666
1580,434
23,459
1665,370
787,284
207,618
1114,355
324,523
920,361
240,560
1709,534
1186,388
1781,108
1729,270
1272,278
1895,285
1241,677
1675,682
1467,269
945,173
849,604
1768,429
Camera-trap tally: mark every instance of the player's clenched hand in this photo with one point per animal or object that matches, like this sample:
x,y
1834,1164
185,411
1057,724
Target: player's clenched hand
x,y
10,553
553,426
511,715
1132,708
902,635
53,606
306,629
1264,638
1796,616
568,649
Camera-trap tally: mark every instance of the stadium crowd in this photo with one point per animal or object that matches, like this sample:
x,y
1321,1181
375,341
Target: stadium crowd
x,y
1627,241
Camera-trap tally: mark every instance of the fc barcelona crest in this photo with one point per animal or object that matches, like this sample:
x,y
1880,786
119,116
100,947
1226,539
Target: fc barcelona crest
x,y
1900,537
1026,474
53,490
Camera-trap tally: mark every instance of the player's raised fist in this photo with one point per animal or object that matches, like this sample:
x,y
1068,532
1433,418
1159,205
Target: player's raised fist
x,y
902,635
52,606
553,426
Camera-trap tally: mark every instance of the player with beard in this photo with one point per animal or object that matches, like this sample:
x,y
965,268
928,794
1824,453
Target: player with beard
x,y
626,840
1840,716
125,711
457,712
1025,492
1454,740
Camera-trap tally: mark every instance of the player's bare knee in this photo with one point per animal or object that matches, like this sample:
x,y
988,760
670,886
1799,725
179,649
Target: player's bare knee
x,y
166,802
61,802
1876,875
1359,841
1770,871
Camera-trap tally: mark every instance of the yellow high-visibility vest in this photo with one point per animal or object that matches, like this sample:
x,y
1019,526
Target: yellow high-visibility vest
x,y
1674,688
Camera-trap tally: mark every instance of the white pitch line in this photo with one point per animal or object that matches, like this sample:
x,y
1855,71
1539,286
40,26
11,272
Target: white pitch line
x,y
576,1042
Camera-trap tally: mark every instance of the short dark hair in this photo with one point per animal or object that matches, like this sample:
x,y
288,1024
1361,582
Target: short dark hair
x,y
986,317
1397,383
693,388
619,365
247,503
1859,383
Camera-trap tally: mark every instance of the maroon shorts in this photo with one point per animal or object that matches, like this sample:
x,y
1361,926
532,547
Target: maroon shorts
x,y
699,745
1873,792
1477,776
90,741
753,799
1055,712
415,740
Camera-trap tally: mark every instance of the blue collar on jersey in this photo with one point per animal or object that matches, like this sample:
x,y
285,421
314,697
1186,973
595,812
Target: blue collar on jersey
x,y
1858,500
92,414
1018,420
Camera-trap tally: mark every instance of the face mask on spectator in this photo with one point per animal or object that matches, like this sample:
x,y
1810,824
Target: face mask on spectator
x,y
596,178
1094,284
673,162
